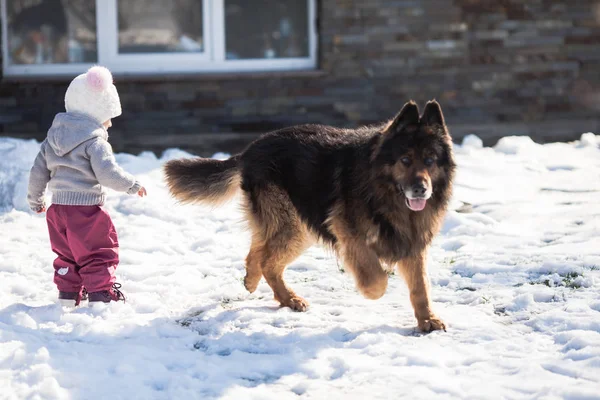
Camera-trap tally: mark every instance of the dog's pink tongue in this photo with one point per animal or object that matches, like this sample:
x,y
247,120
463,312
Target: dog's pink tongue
x,y
416,204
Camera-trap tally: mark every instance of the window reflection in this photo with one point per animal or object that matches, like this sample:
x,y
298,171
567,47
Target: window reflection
x,y
51,31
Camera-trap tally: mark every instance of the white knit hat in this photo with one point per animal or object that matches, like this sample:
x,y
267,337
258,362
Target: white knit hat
x,y
94,95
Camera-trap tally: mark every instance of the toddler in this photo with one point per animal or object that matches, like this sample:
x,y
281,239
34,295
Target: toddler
x,y
76,162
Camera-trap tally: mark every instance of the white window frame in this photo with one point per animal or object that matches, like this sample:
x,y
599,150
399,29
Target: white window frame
x,y
108,45
212,59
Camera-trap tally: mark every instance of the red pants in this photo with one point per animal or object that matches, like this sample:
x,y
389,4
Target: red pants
x,y
85,241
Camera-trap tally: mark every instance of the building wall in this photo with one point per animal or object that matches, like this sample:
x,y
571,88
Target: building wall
x,y
498,67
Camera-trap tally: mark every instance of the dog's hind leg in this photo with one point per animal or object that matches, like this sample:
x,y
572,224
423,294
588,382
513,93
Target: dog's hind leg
x,y
256,254
280,250
253,262
278,238
415,274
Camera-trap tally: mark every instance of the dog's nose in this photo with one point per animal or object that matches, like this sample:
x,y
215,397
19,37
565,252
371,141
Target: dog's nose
x,y
418,190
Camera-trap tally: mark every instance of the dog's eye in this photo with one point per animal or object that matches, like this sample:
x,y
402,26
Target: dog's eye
x,y
428,161
405,161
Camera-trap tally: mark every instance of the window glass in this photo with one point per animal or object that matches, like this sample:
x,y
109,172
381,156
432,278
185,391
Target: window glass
x,y
51,31
266,29
149,26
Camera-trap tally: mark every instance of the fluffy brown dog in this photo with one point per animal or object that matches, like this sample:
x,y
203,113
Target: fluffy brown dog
x,y
377,195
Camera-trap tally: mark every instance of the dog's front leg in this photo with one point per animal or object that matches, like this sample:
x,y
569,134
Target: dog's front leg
x,y
371,280
363,263
415,274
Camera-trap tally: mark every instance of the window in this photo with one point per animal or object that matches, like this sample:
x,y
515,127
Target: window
x,y
50,32
48,37
146,26
251,33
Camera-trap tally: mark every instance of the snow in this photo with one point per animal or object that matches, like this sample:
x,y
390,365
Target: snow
x,y
515,278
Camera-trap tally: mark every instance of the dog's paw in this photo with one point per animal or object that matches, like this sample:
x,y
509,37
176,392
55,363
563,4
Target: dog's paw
x,y
250,284
431,324
373,286
296,303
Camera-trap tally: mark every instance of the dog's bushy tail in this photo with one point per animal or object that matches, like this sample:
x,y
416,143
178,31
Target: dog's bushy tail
x,y
203,180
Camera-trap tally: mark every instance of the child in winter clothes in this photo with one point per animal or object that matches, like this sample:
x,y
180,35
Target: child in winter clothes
x,y
76,162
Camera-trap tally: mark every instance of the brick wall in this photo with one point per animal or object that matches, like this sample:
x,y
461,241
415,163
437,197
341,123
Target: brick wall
x,y
498,67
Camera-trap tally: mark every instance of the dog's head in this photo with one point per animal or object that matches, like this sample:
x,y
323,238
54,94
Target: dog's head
x,y
414,155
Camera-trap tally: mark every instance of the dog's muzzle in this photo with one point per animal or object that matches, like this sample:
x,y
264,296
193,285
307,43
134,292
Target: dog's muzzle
x,y
416,197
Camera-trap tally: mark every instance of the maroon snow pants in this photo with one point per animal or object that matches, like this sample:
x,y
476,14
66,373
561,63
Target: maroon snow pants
x,y
85,242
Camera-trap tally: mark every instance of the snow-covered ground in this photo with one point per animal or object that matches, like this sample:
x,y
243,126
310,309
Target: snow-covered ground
x,y
516,279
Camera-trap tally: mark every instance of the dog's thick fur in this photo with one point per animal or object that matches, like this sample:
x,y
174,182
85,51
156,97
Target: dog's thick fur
x,y
349,189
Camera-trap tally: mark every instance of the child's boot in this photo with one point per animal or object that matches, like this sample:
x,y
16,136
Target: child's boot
x,y
72,299
106,296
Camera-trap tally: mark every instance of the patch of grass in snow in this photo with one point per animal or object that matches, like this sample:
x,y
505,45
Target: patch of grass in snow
x,y
570,281
545,282
449,261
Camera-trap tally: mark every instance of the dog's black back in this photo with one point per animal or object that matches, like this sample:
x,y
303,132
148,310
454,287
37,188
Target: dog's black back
x,y
314,164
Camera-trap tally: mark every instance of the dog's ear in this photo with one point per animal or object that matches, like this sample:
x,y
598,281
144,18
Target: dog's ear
x,y
432,115
408,115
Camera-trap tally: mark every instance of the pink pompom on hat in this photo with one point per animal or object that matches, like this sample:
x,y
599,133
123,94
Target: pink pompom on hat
x,y
98,78
94,95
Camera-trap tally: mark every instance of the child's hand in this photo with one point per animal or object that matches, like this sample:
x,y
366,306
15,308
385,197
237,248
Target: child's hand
x,y
142,192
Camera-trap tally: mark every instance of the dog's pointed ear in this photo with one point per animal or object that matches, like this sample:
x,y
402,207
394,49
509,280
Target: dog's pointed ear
x,y
408,115
432,115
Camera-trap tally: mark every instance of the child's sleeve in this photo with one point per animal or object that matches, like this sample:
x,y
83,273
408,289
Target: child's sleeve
x,y
38,179
107,171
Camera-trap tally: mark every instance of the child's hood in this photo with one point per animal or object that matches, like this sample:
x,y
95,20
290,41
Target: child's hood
x,y
69,130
